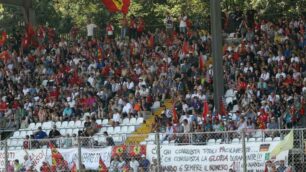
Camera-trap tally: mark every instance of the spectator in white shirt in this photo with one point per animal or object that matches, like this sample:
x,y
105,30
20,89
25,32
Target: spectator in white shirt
x,y
141,82
134,164
127,108
279,74
186,126
265,75
169,132
241,124
116,117
144,91
90,29
183,23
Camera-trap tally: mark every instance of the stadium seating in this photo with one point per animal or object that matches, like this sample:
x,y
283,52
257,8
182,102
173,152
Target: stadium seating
x,y
119,133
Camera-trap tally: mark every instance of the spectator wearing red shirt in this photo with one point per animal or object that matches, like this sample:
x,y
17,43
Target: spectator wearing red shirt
x,y
3,106
140,27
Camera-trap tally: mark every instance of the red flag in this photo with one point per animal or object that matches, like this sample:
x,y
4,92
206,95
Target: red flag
x,y
137,150
118,150
223,111
3,38
174,116
102,166
100,54
201,62
5,56
30,30
185,47
205,110
74,167
151,41
117,5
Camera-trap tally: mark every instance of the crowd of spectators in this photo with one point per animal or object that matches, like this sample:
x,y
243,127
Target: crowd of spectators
x,y
121,76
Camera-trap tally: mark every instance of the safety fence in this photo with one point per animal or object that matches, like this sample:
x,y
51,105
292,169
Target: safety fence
x,y
245,150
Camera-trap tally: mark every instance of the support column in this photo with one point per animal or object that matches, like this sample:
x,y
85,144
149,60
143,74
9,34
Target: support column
x,y
216,33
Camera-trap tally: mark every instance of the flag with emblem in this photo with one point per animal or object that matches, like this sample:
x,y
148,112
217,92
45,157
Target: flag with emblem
x,y
118,150
117,5
102,166
57,157
137,150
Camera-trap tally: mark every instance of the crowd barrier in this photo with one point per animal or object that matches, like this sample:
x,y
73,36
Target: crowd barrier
x,y
240,151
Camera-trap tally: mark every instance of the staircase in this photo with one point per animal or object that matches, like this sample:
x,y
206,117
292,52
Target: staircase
x,y
142,132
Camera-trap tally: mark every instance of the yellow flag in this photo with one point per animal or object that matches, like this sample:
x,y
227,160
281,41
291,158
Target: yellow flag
x,y
118,3
284,145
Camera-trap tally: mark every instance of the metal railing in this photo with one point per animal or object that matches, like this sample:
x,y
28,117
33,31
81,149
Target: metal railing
x,y
244,150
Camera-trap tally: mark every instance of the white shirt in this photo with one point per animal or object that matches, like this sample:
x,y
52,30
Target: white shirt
x,y
91,81
144,92
127,108
134,165
90,29
25,91
183,21
116,117
27,164
156,105
71,103
265,76
245,70
130,85
278,75
295,59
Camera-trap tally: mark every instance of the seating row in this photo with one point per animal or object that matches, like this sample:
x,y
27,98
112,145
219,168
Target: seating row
x,y
79,124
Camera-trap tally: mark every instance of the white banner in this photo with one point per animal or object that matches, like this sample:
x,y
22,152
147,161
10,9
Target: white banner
x,y
218,158
37,157
90,157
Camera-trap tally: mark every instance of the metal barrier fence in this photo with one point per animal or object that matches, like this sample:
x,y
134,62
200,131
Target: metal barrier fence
x,y
162,152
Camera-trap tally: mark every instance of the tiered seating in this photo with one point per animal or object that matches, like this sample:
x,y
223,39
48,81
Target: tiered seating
x,y
119,133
